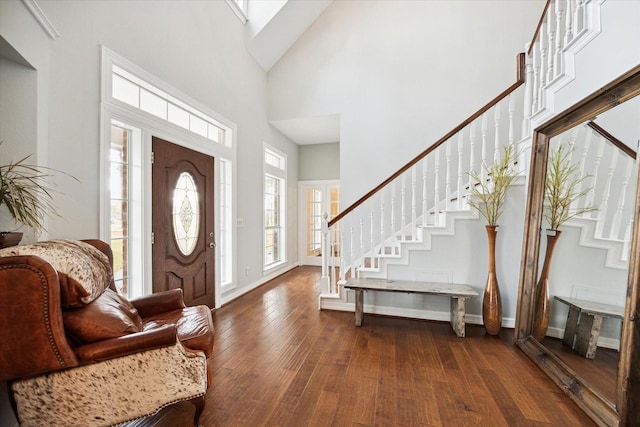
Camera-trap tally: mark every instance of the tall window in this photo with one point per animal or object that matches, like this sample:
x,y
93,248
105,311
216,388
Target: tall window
x,y
274,208
226,222
125,205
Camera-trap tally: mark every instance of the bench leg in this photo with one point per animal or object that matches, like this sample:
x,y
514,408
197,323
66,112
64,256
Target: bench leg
x,y
359,306
587,335
457,315
571,327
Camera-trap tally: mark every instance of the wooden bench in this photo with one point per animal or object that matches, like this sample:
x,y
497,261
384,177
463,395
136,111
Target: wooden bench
x,y
457,293
584,322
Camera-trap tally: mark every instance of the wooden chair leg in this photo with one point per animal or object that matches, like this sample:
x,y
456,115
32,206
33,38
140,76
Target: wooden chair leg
x,y
198,402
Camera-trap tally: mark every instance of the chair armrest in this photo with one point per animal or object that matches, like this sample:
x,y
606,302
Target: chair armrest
x,y
160,302
128,344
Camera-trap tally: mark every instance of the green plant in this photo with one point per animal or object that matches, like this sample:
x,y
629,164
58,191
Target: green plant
x,y
562,189
487,195
25,193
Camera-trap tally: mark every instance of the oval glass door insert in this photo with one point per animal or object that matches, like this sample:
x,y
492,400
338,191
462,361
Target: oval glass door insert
x,y
186,213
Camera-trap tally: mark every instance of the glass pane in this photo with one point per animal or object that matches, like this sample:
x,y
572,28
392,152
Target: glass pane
x,y
120,273
119,214
186,213
118,181
125,91
119,139
178,116
198,126
214,133
152,103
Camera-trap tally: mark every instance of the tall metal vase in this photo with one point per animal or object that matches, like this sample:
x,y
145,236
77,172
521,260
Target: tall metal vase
x,y
491,302
541,297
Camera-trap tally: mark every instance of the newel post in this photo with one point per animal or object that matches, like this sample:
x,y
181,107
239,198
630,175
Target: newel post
x,y
325,284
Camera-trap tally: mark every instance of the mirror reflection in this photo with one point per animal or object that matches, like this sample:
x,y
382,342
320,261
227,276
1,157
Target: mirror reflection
x,y
589,201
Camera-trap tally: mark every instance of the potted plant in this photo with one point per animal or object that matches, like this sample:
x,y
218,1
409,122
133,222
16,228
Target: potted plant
x,y
25,196
562,189
487,195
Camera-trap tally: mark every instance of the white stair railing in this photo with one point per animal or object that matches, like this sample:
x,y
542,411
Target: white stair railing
x,y
562,26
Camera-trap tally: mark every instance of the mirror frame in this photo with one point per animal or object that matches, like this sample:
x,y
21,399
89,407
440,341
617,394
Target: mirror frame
x,y
626,410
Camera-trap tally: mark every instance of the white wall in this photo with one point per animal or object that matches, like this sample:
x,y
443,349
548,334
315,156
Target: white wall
x,y
400,74
319,162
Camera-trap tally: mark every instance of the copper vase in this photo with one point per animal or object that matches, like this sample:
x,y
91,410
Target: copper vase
x,y
541,297
491,302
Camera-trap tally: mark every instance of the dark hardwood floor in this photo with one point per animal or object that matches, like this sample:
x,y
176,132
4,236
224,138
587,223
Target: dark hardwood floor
x,y
279,361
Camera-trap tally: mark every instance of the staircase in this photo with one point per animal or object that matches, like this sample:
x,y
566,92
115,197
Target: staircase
x,y
387,232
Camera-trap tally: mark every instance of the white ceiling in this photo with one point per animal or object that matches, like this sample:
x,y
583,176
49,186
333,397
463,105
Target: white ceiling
x,y
310,130
273,26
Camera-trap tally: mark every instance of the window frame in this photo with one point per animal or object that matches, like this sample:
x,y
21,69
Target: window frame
x,y
279,173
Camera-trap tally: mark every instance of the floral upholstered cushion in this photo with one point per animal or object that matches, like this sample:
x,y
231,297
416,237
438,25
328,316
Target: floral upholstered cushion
x,y
108,316
84,271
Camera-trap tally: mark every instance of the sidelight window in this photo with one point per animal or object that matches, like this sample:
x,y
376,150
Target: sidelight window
x,y
274,208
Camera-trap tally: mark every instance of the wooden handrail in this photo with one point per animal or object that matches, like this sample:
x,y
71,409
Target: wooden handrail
x,y
520,80
615,141
535,34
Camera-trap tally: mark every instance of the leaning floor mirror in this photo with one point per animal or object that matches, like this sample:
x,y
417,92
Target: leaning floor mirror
x,y
578,297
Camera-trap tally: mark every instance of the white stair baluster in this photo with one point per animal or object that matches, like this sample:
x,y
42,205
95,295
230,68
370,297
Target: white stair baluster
x,y
372,243
582,165
352,249
627,241
382,235
578,17
604,204
496,123
424,192
459,184
528,98
512,109
617,217
551,39
362,253
414,202
596,168
569,31
543,64
483,152
343,261
436,196
392,232
447,188
557,52
536,79
403,204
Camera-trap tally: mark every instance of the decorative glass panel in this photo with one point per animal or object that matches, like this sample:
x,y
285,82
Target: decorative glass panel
x,y
186,213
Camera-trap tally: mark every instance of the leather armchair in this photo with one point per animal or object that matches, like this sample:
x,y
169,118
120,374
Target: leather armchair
x,y
99,363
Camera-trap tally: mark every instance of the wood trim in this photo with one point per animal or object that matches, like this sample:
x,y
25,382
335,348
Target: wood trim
x,y
626,409
520,73
535,34
588,399
612,139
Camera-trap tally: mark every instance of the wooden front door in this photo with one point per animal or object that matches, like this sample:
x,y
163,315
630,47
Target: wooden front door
x,y
183,252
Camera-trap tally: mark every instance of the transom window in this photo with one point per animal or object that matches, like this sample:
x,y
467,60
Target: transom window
x,y
142,95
